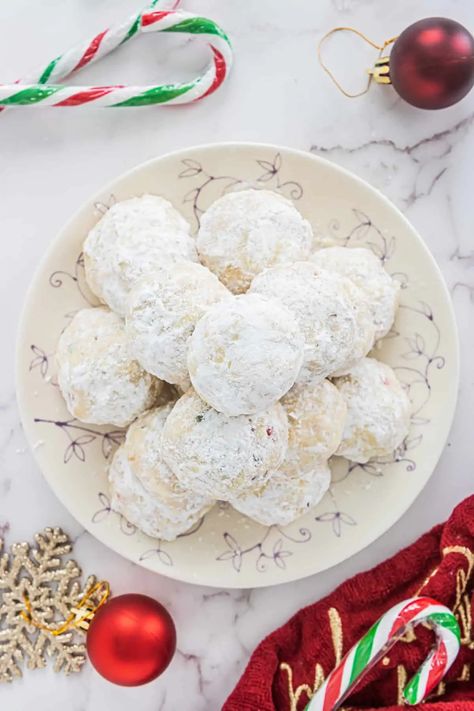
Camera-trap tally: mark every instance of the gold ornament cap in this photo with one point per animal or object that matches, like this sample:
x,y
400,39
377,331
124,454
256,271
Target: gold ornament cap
x,y
381,71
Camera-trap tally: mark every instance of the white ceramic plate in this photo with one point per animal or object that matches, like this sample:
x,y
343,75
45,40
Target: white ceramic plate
x,y
226,549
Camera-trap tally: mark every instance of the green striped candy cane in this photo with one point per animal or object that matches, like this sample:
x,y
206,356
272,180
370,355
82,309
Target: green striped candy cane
x,y
40,87
380,638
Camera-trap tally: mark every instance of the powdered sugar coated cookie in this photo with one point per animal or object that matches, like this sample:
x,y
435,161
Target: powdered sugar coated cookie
x,y
219,456
245,354
100,380
378,411
244,232
133,238
163,311
316,417
157,515
332,313
144,488
290,492
362,267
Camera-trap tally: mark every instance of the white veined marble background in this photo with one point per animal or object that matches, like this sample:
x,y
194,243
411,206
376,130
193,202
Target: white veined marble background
x,y
52,160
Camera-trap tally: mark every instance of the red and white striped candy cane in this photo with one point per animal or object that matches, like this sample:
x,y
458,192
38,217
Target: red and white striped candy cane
x,y
39,89
379,639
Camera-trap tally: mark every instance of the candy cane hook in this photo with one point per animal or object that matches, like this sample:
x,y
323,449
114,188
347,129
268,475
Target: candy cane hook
x,y
380,638
38,88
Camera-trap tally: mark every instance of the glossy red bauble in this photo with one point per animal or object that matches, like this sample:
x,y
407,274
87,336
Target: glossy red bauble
x,y
131,640
432,63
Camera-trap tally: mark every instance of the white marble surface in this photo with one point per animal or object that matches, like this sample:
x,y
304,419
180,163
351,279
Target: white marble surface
x,y
50,161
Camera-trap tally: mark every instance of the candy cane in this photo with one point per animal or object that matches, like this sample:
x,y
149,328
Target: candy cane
x,y
379,639
38,89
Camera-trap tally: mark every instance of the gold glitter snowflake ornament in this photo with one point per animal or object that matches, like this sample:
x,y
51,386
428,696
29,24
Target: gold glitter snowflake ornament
x,y
42,605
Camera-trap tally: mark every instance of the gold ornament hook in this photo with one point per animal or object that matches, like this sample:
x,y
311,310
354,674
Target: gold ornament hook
x,y
380,72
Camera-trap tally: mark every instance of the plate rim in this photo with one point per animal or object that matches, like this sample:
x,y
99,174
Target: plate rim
x,y
451,398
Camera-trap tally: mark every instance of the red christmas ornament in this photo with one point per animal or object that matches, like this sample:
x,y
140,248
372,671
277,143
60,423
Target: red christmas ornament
x,y
131,640
431,65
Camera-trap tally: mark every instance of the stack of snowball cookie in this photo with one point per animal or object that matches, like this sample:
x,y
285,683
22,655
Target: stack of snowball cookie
x,y
264,339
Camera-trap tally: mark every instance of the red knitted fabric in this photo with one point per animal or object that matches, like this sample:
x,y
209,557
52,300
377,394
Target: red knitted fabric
x,y
287,665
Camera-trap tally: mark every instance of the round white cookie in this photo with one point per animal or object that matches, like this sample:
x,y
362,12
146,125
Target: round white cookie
x,y
290,492
162,312
220,456
245,354
100,380
316,418
378,411
131,240
144,489
245,232
333,315
362,267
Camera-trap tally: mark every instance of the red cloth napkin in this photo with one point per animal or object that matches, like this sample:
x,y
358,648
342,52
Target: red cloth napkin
x,y
287,665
